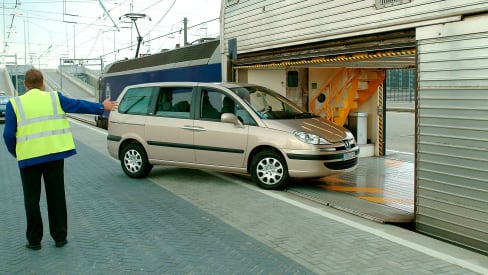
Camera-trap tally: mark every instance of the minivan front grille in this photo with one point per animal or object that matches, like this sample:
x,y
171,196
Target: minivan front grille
x,y
341,165
342,148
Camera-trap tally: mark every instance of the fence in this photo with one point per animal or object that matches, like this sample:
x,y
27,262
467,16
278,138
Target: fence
x,y
400,85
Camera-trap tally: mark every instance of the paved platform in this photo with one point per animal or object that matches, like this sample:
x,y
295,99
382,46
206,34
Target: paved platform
x,y
181,221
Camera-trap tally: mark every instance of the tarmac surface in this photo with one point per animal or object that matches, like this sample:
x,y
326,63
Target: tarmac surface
x,y
182,221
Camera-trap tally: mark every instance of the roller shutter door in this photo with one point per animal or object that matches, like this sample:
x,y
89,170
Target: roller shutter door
x,y
452,132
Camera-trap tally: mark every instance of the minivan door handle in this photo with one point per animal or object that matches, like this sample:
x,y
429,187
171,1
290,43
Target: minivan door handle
x,y
192,128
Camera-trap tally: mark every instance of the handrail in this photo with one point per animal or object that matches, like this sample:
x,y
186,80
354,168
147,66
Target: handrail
x,y
342,94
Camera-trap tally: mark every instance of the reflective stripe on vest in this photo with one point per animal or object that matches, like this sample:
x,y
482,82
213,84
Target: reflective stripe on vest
x,y
44,128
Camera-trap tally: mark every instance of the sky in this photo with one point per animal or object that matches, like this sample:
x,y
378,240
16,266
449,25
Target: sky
x,y
46,33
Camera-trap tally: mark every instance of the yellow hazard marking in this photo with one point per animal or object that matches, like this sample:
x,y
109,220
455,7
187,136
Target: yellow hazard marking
x,y
334,179
328,59
394,163
341,188
386,200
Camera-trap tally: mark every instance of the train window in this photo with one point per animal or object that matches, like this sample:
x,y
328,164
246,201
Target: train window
x,y
136,101
174,102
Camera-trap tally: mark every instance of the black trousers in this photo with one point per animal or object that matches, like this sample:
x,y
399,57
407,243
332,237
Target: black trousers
x,y
53,175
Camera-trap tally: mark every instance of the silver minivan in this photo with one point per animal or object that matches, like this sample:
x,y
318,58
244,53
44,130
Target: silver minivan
x,y
227,127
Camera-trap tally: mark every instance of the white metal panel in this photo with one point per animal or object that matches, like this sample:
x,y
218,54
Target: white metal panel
x,y
276,23
274,79
452,132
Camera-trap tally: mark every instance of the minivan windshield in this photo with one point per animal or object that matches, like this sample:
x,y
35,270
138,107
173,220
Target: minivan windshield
x,y
269,104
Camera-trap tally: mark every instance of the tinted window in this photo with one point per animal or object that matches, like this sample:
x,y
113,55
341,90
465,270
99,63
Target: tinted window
x,y
174,102
214,103
137,100
211,104
244,115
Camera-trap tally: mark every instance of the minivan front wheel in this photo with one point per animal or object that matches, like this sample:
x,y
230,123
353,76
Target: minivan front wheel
x,y
134,161
269,170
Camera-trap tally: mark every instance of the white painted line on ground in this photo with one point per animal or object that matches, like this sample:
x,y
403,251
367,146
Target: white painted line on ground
x,y
93,128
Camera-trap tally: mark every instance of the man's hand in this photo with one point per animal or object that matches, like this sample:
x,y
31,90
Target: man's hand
x,y
109,105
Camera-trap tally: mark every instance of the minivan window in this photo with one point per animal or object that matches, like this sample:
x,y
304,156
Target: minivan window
x,y
174,102
244,116
136,101
214,103
211,104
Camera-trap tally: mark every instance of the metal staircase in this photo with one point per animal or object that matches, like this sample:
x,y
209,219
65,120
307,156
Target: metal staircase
x,y
345,91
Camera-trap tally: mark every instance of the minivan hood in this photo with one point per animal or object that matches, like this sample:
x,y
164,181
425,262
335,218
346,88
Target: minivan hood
x,y
317,126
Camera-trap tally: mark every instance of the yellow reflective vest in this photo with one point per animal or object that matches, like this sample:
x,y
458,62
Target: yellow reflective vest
x,y
42,126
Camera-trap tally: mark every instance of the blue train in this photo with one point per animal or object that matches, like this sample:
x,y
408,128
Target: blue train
x,y
200,63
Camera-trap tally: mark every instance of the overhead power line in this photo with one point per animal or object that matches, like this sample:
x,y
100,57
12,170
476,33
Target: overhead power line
x,y
108,14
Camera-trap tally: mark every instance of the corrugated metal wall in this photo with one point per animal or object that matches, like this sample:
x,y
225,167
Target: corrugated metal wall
x,y
280,23
452,132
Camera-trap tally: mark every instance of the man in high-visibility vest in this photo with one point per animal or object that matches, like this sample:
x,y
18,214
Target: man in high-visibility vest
x,y
38,134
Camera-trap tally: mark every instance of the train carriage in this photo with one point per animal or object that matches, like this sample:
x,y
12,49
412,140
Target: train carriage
x,y
198,63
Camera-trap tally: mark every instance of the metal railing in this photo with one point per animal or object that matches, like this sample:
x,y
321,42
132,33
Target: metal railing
x,y
400,85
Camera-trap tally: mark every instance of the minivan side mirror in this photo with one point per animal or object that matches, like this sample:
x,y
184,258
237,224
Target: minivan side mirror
x,y
231,118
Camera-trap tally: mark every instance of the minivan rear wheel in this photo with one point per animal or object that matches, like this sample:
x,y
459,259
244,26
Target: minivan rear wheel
x,y
269,170
134,161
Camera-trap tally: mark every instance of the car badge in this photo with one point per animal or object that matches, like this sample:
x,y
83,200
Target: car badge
x,y
347,144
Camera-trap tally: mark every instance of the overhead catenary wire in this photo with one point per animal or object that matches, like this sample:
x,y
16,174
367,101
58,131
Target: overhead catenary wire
x,y
159,37
162,17
90,30
131,43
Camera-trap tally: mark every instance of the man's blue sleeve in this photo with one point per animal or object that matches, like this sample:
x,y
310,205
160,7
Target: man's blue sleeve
x,y
10,129
80,106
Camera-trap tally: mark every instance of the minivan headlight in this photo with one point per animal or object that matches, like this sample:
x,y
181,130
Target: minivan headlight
x,y
310,138
349,136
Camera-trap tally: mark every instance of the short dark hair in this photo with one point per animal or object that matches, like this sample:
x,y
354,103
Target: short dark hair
x,y
33,79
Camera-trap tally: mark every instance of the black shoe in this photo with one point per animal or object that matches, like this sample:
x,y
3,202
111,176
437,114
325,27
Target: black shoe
x,y
61,243
33,246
